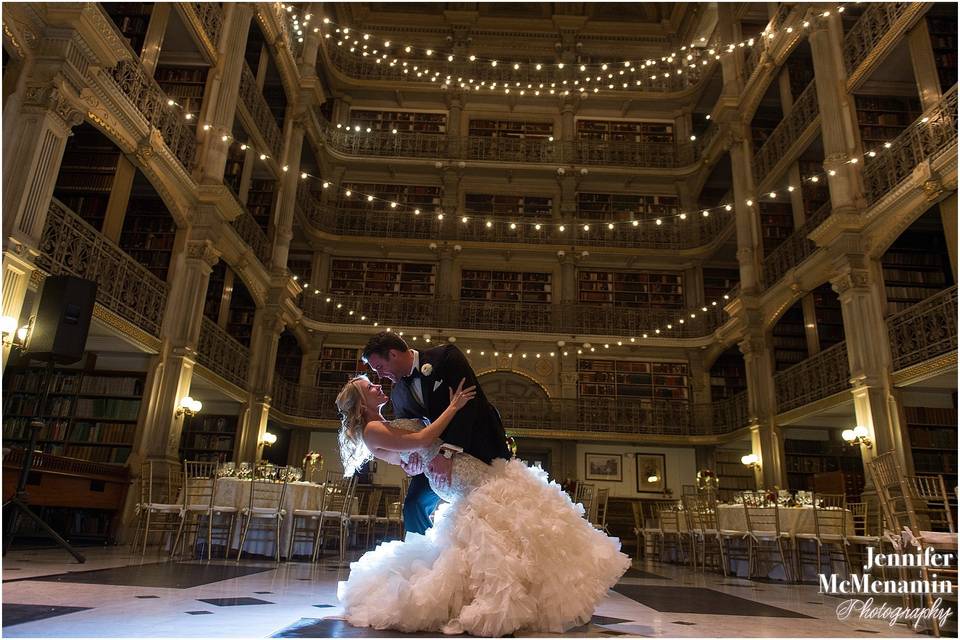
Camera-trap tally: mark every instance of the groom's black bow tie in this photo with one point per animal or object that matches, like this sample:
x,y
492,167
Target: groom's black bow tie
x,y
414,375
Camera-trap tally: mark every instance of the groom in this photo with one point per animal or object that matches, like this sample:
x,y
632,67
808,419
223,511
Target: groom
x,y
421,390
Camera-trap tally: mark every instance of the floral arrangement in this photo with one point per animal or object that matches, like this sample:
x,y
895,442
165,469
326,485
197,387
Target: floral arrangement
x,y
512,445
706,478
313,457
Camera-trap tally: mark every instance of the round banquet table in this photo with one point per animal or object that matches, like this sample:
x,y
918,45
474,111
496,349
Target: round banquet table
x,y
235,492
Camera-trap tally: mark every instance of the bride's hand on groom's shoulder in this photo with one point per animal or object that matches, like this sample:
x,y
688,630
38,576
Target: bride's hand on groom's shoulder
x,y
413,466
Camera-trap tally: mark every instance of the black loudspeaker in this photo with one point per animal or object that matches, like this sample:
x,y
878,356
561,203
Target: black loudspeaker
x,y
63,319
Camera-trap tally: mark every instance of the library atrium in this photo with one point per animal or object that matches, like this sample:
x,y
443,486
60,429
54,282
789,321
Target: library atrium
x,y
700,256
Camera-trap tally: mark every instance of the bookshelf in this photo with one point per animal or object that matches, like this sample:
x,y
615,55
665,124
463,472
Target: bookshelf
x,y
289,357
942,25
426,198
789,339
132,19
185,85
208,438
826,306
301,266
359,277
805,459
882,118
815,194
149,232
260,202
620,206
505,286
933,441
632,380
917,264
218,276
625,131
89,414
732,476
728,375
241,314
402,121
800,69
536,207
650,289
776,224
510,129
86,174
764,122
233,170
337,365
718,281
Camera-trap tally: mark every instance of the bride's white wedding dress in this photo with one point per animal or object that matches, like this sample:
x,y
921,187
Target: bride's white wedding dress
x,y
509,552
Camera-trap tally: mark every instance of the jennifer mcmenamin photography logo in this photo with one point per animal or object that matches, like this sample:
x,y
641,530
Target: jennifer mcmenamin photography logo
x,y
866,584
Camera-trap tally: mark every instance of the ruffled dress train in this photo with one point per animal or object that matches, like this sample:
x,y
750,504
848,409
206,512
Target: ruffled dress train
x,y
512,554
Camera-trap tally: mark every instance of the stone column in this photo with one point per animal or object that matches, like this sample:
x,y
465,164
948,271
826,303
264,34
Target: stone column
x,y
268,324
838,118
320,270
307,62
223,87
749,242
450,201
170,373
568,277
445,292
948,217
455,102
568,129
858,282
31,162
341,109
924,65
289,182
730,65
153,39
765,434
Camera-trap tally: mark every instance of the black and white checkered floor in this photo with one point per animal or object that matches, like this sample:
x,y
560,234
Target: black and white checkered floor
x,y
118,594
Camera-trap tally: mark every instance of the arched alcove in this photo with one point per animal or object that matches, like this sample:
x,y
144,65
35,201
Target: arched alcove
x,y
505,387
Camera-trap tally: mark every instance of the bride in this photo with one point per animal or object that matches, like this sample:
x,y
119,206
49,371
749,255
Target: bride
x,y
509,551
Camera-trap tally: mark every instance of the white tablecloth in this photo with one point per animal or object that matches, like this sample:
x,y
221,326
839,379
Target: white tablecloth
x,y
234,492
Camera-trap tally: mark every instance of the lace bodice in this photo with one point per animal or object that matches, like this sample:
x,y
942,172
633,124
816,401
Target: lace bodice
x,y
468,472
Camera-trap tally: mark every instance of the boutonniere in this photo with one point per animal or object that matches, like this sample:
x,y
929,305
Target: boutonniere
x,y
426,369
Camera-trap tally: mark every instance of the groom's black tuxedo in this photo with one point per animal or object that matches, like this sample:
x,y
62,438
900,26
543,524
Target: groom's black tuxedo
x,y
476,428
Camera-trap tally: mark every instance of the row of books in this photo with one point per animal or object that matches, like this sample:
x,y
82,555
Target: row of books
x,y
931,416
108,408
114,385
107,432
211,442
18,428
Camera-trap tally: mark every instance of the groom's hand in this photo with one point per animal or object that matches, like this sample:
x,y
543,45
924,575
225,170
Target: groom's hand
x,y
441,469
413,466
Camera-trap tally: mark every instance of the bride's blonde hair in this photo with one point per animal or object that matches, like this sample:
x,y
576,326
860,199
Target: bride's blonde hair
x,y
353,452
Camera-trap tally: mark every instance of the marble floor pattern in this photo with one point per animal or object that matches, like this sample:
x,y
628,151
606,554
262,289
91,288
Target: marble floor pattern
x,y
117,593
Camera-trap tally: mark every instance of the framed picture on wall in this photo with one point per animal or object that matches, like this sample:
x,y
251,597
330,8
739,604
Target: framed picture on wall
x,y
606,467
651,473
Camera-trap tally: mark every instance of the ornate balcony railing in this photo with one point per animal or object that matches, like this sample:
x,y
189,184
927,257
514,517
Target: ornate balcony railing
x,y
752,61
704,139
805,111
251,233
259,110
815,378
69,245
393,224
722,416
154,105
316,403
538,150
406,70
876,20
930,135
514,316
794,249
926,330
222,354
210,16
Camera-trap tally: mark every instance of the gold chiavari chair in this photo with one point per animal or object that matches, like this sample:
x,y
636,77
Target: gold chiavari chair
x,y
335,519
200,481
829,530
763,526
866,532
265,511
365,520
671,535
603,501
160,503
305,525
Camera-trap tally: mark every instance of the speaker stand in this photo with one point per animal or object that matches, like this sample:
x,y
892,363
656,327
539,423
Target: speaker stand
x,y
17,506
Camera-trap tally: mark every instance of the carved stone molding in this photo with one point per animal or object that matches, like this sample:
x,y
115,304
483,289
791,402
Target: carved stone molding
x,y
203,250
53,99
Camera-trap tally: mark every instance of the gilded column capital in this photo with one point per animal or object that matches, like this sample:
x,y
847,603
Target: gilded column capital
x,y
52,99
203,250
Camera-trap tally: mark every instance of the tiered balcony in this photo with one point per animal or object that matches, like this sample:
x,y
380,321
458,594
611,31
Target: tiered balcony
x,y
253,236
815,378
566,318
264,124
71,246
925,331
874,34
929,137
222,354
393,224
795,249
788,139
440,146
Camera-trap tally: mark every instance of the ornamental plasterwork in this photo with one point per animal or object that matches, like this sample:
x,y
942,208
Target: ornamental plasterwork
x,y
127,328
203,250
54,99
850,280
106,30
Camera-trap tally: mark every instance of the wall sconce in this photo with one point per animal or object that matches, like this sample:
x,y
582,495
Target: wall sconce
x,y
13,336
857,435
189,407
268,438
751,460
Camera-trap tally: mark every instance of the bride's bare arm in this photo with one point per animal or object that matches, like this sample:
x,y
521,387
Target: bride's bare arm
x,y
393,457
379,435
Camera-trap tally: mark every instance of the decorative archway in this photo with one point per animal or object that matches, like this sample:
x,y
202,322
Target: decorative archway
x,y
507,387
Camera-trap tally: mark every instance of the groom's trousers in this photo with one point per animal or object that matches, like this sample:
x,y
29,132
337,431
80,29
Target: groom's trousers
x,y
419,505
